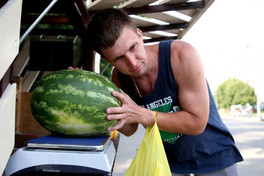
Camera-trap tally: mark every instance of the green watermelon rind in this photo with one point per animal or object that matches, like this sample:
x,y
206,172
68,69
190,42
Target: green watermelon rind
x,y
60,103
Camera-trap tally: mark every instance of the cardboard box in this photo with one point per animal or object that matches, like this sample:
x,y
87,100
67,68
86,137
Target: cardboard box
x,y
27,126
25,122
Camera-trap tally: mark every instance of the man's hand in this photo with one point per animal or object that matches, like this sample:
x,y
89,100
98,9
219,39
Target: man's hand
x,y
71,68
128,113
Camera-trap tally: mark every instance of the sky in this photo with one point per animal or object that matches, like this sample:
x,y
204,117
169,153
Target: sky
x,y
229,37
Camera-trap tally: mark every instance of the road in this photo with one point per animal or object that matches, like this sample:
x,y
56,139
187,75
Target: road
x,y
248,133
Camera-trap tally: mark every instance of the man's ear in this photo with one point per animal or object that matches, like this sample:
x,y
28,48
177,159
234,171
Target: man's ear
x,y
139,32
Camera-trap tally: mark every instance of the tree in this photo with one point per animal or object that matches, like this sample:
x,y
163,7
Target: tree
x,y
235,91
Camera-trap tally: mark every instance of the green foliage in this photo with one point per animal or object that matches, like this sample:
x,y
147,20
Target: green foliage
x,y
107,70
235,91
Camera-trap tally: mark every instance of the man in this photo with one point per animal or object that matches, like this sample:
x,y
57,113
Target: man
x,y
168,78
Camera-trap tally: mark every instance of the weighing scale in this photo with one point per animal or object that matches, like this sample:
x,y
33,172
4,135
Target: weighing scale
x,y
53,155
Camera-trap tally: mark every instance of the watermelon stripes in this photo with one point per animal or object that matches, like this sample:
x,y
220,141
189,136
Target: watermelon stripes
x,y
73,102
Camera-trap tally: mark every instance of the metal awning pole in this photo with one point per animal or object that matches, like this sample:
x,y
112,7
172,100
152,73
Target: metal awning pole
x,y
37,20
105,68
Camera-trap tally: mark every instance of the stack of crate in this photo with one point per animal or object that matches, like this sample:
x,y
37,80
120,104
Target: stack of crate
x,y
10,17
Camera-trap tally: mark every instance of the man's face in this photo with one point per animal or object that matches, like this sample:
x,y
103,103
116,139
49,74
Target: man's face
x,y
128,54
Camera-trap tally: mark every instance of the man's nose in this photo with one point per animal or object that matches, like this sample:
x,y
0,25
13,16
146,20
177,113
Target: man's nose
x,y
131,59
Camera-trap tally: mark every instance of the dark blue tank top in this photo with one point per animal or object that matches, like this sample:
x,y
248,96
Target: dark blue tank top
x,y
212,150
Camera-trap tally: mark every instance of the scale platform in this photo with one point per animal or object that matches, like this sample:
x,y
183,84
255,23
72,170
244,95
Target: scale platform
x,y
52,155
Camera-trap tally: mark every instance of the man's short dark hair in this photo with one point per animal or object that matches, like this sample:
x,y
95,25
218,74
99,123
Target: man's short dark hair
x,y
106,26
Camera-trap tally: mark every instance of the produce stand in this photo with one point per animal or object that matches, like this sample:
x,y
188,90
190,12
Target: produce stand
x,y
65,23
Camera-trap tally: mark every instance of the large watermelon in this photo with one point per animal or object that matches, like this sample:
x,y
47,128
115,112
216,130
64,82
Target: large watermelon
x,y
73,102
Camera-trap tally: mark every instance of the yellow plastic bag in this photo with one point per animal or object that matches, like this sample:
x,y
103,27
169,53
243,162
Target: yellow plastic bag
x,y
151,159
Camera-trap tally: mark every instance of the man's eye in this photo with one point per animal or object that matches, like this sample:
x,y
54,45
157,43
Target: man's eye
x,y
118,58
133,47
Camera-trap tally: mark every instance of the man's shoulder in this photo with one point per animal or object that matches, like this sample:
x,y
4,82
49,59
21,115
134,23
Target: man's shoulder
x,y
180,44
182,49
183,54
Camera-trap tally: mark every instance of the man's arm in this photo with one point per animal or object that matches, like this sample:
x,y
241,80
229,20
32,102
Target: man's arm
x,y
193,92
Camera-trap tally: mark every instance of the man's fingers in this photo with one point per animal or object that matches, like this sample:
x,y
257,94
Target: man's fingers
x,y
122,96
118,125
114,110
71,68
116,116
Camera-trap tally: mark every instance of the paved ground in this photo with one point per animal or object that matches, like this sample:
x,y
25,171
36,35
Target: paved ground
x,y
127,151
248,133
